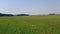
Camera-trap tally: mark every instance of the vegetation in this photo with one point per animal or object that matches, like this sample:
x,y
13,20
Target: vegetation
x,y
6,14
52,14
22,15
13,15
30,25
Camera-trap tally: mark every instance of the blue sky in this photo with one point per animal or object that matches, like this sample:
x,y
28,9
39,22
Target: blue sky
x,y
32,7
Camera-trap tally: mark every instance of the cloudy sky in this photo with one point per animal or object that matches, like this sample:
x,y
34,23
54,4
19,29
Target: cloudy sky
x,y
29,6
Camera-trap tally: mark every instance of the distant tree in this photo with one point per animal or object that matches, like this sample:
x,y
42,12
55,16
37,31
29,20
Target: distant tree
x,y
6,14
23,15
52,14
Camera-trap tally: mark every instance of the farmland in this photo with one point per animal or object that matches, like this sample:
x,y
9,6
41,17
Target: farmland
x,y
30,24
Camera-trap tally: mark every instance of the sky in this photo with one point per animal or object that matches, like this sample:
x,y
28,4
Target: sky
x,y
32,7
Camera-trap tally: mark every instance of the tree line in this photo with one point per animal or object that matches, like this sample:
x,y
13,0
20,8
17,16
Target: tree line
x,y
13,15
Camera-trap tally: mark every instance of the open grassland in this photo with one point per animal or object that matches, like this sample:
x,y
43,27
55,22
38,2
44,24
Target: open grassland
x,y
30,25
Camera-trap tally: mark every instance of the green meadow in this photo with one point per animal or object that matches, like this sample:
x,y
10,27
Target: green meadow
x,y
49,24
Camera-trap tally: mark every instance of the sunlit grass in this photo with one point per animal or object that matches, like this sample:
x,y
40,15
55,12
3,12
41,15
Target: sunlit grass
x,y
30,25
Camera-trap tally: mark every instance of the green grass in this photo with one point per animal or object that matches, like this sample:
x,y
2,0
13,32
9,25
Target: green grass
x,y
30,25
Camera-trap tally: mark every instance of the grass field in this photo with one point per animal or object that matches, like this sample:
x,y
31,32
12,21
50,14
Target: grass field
x,y
30,25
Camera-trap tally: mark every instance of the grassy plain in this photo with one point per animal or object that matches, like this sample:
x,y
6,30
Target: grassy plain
x,y
30,25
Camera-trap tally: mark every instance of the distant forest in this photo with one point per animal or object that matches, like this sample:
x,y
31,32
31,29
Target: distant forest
x,y
1,14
